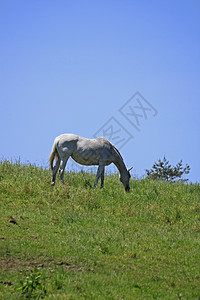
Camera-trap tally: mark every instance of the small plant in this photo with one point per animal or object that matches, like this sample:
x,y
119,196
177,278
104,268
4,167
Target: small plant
x,y
164,171
32,287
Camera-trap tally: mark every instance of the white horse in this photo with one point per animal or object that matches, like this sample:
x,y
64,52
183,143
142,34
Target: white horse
x,y
84,151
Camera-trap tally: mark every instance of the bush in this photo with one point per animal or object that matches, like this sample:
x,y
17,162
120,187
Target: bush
x,y
164,171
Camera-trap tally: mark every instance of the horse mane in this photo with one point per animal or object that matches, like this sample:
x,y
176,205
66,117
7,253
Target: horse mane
x,y
119,154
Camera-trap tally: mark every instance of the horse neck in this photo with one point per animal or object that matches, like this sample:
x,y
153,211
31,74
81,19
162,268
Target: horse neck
x,y
119,163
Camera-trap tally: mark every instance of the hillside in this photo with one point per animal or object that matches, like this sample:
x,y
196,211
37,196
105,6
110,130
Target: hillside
x,y
75,242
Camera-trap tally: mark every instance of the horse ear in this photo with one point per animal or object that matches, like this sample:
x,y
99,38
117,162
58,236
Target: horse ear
x,y
129,169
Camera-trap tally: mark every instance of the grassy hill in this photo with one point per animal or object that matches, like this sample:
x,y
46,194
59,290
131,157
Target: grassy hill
x,y
75,242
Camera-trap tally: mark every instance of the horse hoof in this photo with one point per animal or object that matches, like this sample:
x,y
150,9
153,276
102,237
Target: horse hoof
x,y
52,183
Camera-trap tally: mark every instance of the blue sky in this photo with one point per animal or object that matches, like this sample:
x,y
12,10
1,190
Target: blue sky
x,y
88,67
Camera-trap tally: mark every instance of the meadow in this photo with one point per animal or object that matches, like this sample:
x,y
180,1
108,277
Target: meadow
x,y
72,241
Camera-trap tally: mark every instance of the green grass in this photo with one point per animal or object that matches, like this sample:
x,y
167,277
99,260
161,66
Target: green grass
x,y
75,242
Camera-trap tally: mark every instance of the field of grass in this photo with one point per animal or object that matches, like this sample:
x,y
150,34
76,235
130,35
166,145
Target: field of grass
x,y
76,242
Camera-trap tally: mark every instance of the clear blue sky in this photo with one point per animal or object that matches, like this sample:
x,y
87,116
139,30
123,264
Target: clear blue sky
x,y
71,67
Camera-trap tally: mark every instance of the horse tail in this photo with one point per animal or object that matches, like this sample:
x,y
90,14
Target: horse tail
x,y
54,153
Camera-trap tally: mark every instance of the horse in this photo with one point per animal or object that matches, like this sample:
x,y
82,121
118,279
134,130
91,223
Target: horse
x,y
87,152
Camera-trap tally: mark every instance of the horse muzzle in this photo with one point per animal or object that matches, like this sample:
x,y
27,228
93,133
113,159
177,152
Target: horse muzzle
x,y
127,188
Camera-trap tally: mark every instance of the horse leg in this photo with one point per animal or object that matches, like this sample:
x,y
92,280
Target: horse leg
x,y
54,172
62,168
99,172
102,178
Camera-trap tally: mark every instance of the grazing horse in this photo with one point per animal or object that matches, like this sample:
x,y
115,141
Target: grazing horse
x,y
88,152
